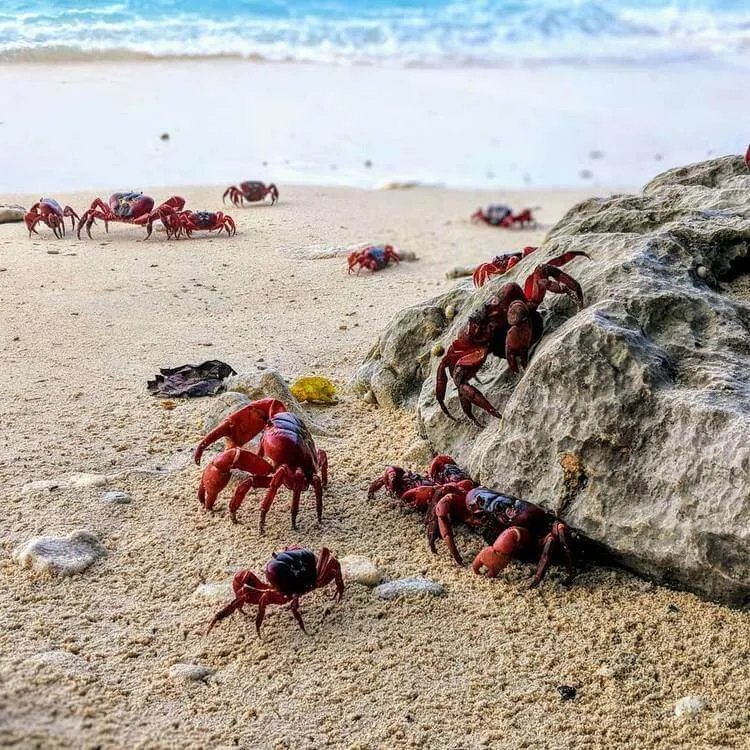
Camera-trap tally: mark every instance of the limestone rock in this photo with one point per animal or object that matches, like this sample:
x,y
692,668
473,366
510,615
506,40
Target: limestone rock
x,y
189,672
11,213
399,362
631,420
61,555
408,587
360,570
268,383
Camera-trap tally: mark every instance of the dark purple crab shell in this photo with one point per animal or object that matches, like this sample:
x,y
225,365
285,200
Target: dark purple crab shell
x,y
496,213
293,572
52,204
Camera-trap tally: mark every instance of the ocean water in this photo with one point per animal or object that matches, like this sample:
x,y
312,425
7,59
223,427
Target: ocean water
x,y
379,32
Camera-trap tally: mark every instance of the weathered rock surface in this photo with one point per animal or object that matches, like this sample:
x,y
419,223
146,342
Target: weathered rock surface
x,y
61,555
408,587
632,419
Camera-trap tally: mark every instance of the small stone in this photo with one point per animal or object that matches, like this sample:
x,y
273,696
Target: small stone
x,y
567,693
81,480
53,252
369,398
189,672
672,608
117,498
437,350
61,555
215,591
701,272
168,405
360,570
450,312
11,213
408,587
689,706
343,327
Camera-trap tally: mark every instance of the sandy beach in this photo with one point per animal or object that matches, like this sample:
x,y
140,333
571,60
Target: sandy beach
x,y
86,323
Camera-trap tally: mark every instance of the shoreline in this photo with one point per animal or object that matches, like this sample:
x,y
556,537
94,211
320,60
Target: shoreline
x,y
229,120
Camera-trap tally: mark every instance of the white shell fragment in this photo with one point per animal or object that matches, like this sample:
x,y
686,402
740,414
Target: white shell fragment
x,y
689,706
61,555
189,672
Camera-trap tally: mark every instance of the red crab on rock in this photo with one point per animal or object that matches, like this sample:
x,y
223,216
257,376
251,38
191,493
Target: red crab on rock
x,y
499,265
50,212
187,222
130,208
250,191
374,257
507,325
286,456
747,157
500,215
289,575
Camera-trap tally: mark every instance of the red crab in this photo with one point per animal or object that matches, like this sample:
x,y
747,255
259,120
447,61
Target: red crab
x,y
374,257
525,529
130,208
499,265
417,491
241,426
290,575
747,157
507,325
287,456
500,215
250,191
51,213
187,222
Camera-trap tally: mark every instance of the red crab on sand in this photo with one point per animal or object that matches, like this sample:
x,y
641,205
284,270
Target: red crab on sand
x,y
129,208
187,222
499,265
289,575
250,191
507,325
374,257
500,215
287,456
50,212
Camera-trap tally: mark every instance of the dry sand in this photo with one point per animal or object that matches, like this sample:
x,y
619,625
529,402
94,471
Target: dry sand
x,y
85,323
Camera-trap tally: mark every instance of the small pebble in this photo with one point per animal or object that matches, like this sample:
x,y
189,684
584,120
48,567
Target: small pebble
x,y
189,672
215,590
701,272
369,398
53,252
408,587
450,312
343,327
117,498
567,693
689,706
81,480
61,555
360,570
